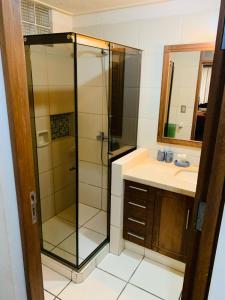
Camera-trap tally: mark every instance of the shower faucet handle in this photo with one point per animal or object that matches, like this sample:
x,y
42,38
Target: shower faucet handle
x,y
101,136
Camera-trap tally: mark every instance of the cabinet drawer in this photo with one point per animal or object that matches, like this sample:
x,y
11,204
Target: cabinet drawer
x,y
141,203
135,190
134,237
135,210
135,225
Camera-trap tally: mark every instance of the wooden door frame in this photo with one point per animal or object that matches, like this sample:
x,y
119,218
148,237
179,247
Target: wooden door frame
x,y
210,187
14,70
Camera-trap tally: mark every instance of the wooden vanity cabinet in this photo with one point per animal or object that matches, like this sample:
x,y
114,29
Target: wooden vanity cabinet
x,y
171,224
157,219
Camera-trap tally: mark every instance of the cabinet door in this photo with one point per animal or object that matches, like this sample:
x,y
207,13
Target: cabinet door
x,y
171,222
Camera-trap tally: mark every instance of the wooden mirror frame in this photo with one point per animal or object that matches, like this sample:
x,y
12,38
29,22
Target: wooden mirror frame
x,y
164,89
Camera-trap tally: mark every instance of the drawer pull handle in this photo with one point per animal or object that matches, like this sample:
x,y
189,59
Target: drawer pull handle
x,y
138,189
136,236
137,205
136,221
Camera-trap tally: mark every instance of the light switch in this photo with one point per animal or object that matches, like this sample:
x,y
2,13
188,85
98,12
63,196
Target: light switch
x,y
183,109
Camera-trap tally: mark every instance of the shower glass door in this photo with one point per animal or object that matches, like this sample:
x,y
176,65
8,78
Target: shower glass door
x,y
51,84
92,89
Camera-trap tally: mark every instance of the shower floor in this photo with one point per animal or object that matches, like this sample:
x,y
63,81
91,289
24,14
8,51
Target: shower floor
x,y
59,232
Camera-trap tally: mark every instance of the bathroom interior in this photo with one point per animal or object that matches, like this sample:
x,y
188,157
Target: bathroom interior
x,y
118,101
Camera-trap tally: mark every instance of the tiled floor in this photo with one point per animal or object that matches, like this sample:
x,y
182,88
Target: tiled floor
x,y
60,237
129,276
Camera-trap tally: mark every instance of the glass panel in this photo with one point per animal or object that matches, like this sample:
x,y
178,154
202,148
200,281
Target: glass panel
x,y
27,11
92,72
42,15
125,69
54,115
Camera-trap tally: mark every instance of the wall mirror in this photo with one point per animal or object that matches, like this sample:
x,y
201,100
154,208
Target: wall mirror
x,y
184,93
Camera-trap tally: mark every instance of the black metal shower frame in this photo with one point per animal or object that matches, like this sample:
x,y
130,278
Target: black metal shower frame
x,y
71,38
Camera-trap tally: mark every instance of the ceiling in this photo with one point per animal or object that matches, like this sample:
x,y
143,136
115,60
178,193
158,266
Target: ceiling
x,y
78,7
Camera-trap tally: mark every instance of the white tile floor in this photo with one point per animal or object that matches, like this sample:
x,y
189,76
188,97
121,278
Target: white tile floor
x,y
129,276
59,232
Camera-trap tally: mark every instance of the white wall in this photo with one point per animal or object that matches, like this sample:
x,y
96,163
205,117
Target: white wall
x,y
12,282
61,22
217,290
150,27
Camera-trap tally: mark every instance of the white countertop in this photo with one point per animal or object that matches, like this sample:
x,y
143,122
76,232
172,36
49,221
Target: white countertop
x,y
164,176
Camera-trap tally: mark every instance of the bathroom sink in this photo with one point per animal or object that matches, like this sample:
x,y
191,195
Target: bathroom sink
x,y
187,175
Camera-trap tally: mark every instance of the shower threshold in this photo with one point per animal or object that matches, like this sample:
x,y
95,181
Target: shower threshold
x,y
73,274
59,237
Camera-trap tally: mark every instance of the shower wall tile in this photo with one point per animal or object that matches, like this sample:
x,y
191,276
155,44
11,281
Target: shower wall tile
x,y
104,177
47,208
89,125
89,150
44,158
46,184
90,195
42,123
41,100
90,99
105,199
90,70
105,124
63,176
63,150
60,70
60,50
61,99
39,68
65,197
90,173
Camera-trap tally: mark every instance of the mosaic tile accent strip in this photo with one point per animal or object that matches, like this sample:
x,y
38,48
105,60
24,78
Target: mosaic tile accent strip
x,y
60,125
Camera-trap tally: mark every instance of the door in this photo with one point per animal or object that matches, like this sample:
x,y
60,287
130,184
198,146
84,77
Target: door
x,y
210,188
20,130
171,224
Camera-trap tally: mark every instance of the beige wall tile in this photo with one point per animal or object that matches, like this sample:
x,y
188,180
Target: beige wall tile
x,y
60,70
41,101
63,176
46,184
63,150
90,99
39,67
89,150
44,158
89,125
90,173
47,208
42,123
65,198
90,195
105,199
104,177
61,99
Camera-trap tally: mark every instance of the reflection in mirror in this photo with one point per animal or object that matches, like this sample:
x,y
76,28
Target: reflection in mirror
x,y
185,89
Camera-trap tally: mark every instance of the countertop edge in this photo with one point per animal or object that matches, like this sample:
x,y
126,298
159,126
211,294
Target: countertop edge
x,y
155,184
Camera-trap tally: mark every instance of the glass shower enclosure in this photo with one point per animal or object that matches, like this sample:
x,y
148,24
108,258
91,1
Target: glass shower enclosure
x,y
84,95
